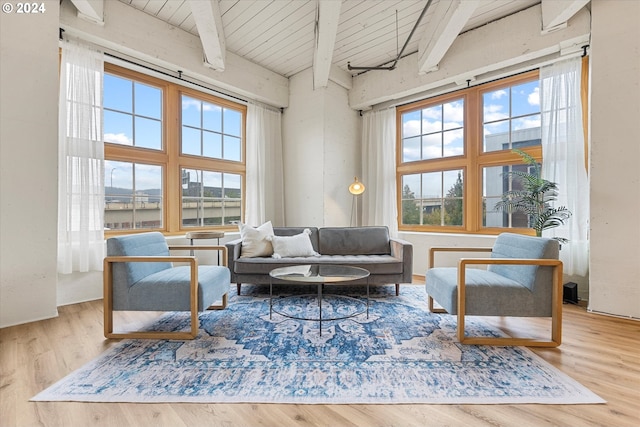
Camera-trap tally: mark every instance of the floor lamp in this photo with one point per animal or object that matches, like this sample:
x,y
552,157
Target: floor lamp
x,y
356,188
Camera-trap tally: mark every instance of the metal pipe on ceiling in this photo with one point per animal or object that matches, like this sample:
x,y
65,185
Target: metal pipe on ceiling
x,y
395,62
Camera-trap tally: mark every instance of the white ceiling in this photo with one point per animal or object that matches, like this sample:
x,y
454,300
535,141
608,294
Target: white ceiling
x,y
280,35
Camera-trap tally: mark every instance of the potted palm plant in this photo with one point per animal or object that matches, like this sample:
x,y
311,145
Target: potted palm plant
x,y
534,199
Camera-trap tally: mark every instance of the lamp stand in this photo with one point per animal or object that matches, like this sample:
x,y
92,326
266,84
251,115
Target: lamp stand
x,y
354,208
356,188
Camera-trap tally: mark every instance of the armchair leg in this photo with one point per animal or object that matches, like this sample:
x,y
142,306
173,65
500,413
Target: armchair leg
x,y
157,335
432,308
154,335
397,289
526,342
221,306
160,335
238,285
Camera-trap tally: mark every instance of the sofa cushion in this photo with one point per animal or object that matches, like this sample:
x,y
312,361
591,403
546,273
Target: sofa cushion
x,y
292,231
514,299
354,241
376,264
254,240
170,290
292,246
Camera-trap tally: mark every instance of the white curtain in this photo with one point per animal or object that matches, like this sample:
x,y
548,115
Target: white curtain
x,y
379,169
564,158
265,181
80,161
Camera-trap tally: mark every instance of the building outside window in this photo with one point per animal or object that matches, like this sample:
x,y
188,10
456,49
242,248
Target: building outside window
x,y
174,156
454,150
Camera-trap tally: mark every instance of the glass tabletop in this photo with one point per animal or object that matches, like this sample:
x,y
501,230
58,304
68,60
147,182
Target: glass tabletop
x,y
319,273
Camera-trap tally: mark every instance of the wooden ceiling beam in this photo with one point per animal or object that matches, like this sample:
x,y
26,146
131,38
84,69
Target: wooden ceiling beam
x,y
209,24
445,22
556,13
328,17
91,10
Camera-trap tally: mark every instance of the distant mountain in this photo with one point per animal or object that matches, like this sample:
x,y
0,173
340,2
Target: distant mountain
x,y
116,194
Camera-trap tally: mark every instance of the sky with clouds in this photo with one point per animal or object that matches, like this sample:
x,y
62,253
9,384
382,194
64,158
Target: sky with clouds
x,y
133,116
437,131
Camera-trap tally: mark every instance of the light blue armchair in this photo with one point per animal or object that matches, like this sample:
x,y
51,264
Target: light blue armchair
x,y
523,278
139,275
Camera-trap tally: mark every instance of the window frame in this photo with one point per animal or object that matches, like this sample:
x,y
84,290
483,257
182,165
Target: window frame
x,y
471,162
170,157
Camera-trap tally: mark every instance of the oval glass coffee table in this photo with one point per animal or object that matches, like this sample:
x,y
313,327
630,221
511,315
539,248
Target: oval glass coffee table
x,y
318,275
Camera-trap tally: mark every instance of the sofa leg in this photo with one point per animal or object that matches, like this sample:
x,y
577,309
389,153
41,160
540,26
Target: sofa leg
x,y
397,289
238,285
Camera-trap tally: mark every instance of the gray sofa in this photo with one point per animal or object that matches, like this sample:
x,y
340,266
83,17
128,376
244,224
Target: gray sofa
x,y
389,260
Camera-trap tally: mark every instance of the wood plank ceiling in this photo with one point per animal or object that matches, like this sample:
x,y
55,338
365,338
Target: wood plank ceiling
x,y
280,35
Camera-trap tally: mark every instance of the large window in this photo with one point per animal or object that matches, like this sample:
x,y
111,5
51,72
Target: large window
x,y
454,151
174,156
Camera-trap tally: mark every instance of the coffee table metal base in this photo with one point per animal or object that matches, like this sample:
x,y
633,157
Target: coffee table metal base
x,y
318,275
320,297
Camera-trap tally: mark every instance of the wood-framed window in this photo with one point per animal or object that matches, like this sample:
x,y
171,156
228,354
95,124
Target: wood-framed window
x,y
454,149
174,156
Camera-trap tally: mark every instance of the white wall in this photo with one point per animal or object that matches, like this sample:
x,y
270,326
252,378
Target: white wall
x,y
321,140
342,155
422,243
615,153
303,152
28,165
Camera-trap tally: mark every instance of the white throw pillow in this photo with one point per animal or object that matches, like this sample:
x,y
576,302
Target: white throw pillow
x,y
291,246
254,240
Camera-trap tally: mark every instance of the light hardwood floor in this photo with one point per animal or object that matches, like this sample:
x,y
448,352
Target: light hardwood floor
x,y
601,352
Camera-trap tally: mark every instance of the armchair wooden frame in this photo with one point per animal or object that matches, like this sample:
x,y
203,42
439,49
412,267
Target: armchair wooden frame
x,y
556,299
193,264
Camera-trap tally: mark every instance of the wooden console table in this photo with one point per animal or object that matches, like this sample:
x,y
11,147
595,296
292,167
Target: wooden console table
x,y
193,235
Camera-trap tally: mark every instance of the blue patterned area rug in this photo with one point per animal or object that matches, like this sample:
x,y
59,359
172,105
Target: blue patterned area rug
x,y
400,354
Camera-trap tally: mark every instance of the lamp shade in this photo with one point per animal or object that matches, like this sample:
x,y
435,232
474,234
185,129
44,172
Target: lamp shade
x,y
356,187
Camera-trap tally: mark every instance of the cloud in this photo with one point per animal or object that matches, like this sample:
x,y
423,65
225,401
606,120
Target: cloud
x,y
432,152
198,105
148,176
410,154
432,148
431,126
534,97
532,122
454,111
499,94
495,128
453,142
435,119
411,128
434,113
493,112
118,138
122,176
